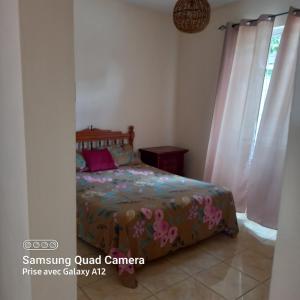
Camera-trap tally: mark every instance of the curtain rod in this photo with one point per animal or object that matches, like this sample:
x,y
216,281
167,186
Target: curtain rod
x,y
223,27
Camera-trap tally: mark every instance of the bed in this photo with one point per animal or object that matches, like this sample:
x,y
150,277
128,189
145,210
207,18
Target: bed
x,y
137,211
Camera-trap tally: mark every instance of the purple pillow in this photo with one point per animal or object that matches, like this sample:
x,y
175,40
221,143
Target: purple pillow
x,y
99,160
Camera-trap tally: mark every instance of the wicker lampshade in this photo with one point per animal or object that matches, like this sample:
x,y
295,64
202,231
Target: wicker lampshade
x,y
191,15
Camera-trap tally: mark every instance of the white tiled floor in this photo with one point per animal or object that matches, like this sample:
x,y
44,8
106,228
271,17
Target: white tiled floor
x,y
218,268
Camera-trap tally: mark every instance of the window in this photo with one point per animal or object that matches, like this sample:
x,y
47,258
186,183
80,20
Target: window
x,y
274,47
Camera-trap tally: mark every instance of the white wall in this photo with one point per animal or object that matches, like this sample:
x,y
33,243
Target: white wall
x,y
125,69
49,108
199,62
286,270
13,185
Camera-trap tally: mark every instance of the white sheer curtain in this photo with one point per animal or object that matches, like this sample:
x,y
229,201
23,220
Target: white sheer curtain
x,y
237,106
266,169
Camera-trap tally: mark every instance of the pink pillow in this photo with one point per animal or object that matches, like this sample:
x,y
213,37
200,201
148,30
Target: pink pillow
x,y
99,160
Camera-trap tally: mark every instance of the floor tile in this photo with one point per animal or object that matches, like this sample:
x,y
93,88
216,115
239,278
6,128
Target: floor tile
x,y
254,264
193,260
159,275
223,247
265,249
259,293
226,281
109,269
83,281
81,295
249,239
256,229
111,288
262,245
87,280
84,248
189,289
221,266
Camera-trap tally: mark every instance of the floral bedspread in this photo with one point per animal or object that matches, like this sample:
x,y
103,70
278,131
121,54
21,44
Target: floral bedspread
x,y
139,211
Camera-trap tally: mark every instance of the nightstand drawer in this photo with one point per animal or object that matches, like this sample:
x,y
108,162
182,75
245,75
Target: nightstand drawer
x,y
168,158
170,163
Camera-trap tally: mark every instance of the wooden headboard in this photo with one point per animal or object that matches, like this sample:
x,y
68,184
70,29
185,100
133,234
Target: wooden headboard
x,y
92,138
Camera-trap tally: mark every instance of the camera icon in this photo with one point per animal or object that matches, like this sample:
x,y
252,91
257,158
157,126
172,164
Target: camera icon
x,y
48,245
27,245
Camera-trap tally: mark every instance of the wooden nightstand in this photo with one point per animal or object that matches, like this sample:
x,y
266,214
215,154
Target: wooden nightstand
x,y
167,158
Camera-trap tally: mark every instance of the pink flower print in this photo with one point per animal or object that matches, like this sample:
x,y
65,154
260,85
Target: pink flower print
x,y
209,222
193,212
157,236
208,201
126,268
115,215
161,230
92,179
139,229
140,172
115,253
161,227
147,212
172,234
218,217
163,241
88,178
121,186
164,179
209,211
212,216
199,199
158,214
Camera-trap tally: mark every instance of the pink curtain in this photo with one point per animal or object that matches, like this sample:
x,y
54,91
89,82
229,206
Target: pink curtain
x,y
222,90
266,168
237,106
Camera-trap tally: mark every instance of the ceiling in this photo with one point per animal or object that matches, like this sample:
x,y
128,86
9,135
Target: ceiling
x,y
168,5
